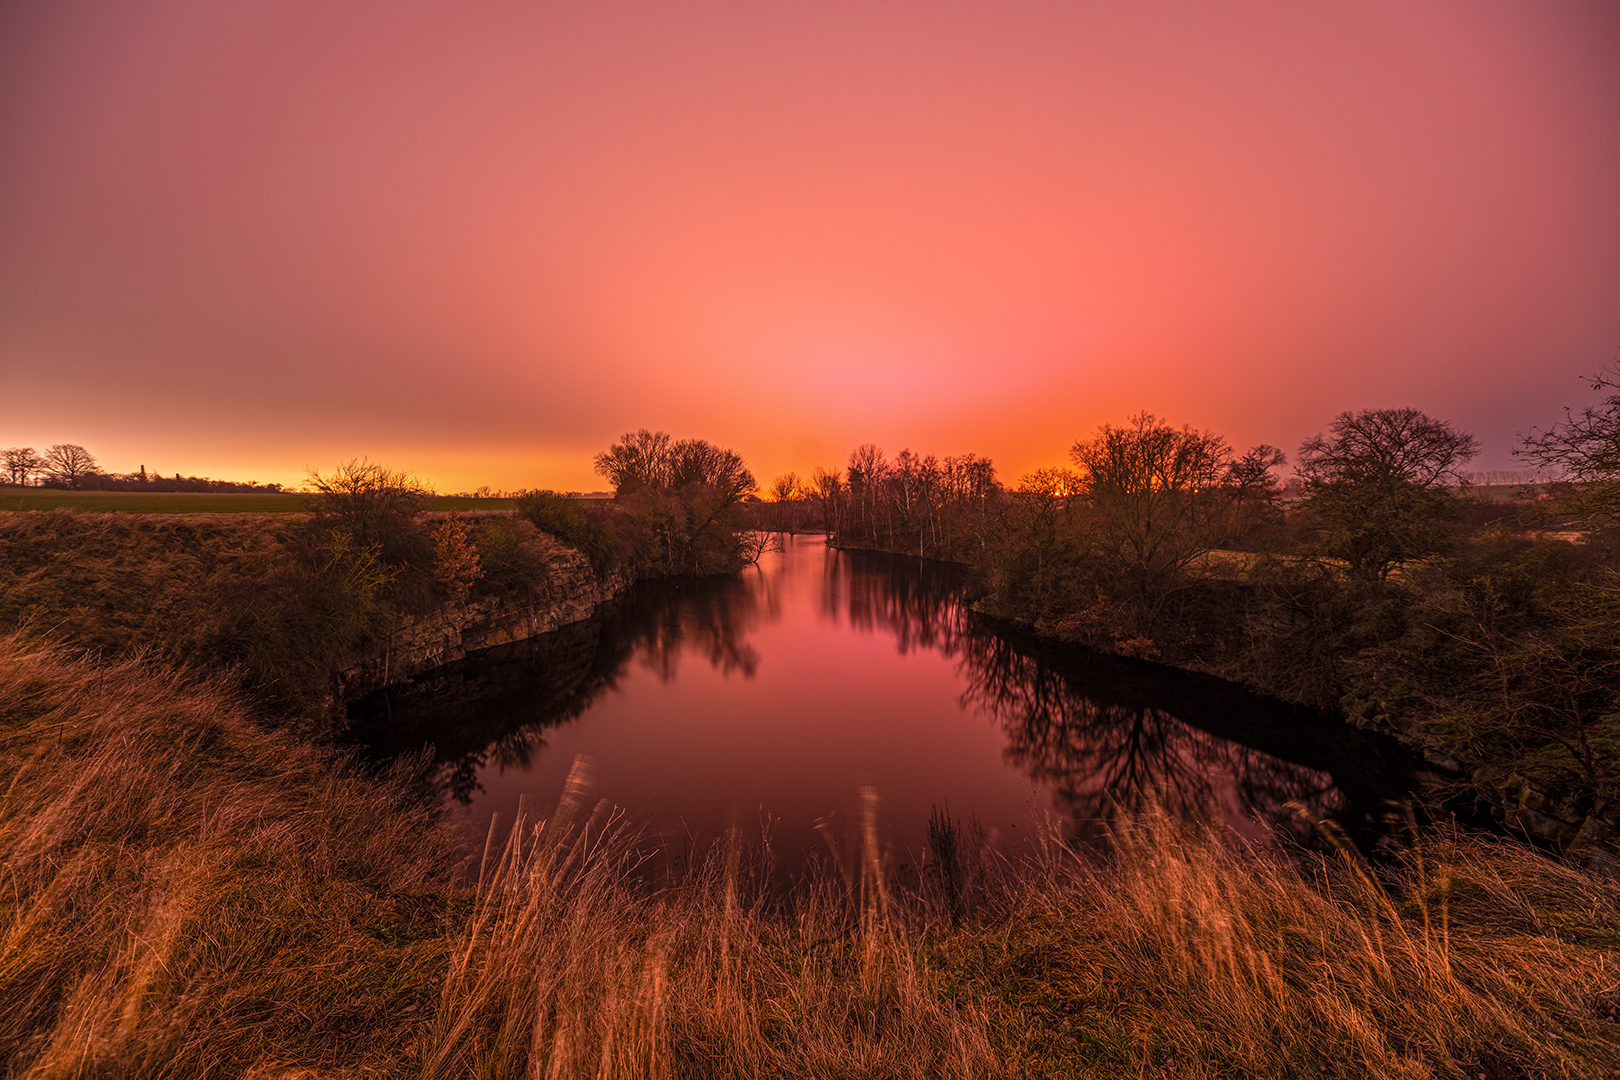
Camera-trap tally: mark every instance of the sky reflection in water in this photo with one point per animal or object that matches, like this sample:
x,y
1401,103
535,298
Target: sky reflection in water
x,y
777,694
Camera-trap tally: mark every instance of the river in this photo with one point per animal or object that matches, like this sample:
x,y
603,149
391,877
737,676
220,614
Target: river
x,y
768,701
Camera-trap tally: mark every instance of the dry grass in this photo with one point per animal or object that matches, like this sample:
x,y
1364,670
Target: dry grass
x,y
184,895
1182,955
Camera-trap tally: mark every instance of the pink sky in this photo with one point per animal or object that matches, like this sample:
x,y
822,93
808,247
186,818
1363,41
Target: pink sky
x,y
481,241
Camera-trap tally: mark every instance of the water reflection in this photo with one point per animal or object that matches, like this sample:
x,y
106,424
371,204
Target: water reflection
x,y
916,601
1098,754
494,708
1087,732
708,618
1104,734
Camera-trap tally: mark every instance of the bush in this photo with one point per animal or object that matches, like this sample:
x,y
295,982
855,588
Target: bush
x,y
587,531
512,552
376,506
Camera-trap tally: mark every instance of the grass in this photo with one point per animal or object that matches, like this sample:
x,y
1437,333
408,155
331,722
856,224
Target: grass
x,y
185,894
1180,956
243,592
187,502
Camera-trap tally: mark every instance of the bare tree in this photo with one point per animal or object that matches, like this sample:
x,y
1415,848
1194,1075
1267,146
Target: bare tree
x,y
20,464
638,460
1250,476
827,488
1375,481
681,497
1155,498
66,463
372,503
652,460
696,463
1585,448
787,488
1384,446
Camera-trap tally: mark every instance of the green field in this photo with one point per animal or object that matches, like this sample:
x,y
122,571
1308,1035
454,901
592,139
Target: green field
x,y
185,502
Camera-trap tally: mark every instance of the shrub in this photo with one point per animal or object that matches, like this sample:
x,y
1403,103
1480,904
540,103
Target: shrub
x,y
512,552
585,530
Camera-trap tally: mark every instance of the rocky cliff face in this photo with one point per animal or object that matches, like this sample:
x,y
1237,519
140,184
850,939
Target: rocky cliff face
x,y
569,593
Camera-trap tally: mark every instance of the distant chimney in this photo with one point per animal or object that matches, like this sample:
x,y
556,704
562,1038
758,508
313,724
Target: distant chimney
x,y
143,472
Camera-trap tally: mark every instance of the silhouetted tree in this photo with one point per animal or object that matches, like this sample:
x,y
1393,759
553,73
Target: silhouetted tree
x,y
919,505
20,464
639,460
1586,449
1250,476
375,505
787,488
828,490
651,459
680,499
67,464
1375,481
1155,499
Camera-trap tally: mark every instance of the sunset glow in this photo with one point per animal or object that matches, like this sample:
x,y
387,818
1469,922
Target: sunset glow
x,y
482,241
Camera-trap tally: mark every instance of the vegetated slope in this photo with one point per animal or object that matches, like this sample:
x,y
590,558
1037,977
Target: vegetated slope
x,y
186,895
261,594
282,601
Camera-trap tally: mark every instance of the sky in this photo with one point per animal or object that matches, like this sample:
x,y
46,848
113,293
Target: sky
x,y
481,241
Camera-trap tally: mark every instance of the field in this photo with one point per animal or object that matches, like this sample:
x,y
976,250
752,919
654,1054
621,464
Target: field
x,y
186,502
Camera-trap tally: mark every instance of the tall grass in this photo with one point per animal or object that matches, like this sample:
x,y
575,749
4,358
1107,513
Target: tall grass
x,y
185,895
1181,955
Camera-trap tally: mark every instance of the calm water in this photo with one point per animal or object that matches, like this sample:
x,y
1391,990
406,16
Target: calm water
x,y
774,696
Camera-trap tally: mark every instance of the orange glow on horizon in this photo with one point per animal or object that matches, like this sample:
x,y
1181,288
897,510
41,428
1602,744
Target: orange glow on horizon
x,y
482,243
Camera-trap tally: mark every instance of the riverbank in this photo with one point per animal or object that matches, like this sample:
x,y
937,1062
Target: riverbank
x,y
1494,663
190,894
294,610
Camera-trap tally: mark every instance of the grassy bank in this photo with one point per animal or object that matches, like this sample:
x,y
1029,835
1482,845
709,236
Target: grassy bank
x,y
280,601
188,895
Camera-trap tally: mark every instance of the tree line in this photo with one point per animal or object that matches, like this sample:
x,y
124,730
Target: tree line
x,y
1379,488
72,467
1485,633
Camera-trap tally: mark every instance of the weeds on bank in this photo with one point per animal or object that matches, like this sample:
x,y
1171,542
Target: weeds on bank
x,y
185,895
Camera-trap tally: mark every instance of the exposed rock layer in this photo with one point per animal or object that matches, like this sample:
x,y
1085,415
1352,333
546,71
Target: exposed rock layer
x,y
570,592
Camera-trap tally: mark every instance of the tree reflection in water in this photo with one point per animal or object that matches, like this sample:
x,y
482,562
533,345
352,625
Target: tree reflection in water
x,y
495,706
1099,732
710,617
1099,743
916,601
1099,756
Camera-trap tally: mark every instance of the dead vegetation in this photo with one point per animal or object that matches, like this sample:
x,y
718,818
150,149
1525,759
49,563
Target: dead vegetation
x,y
186,895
